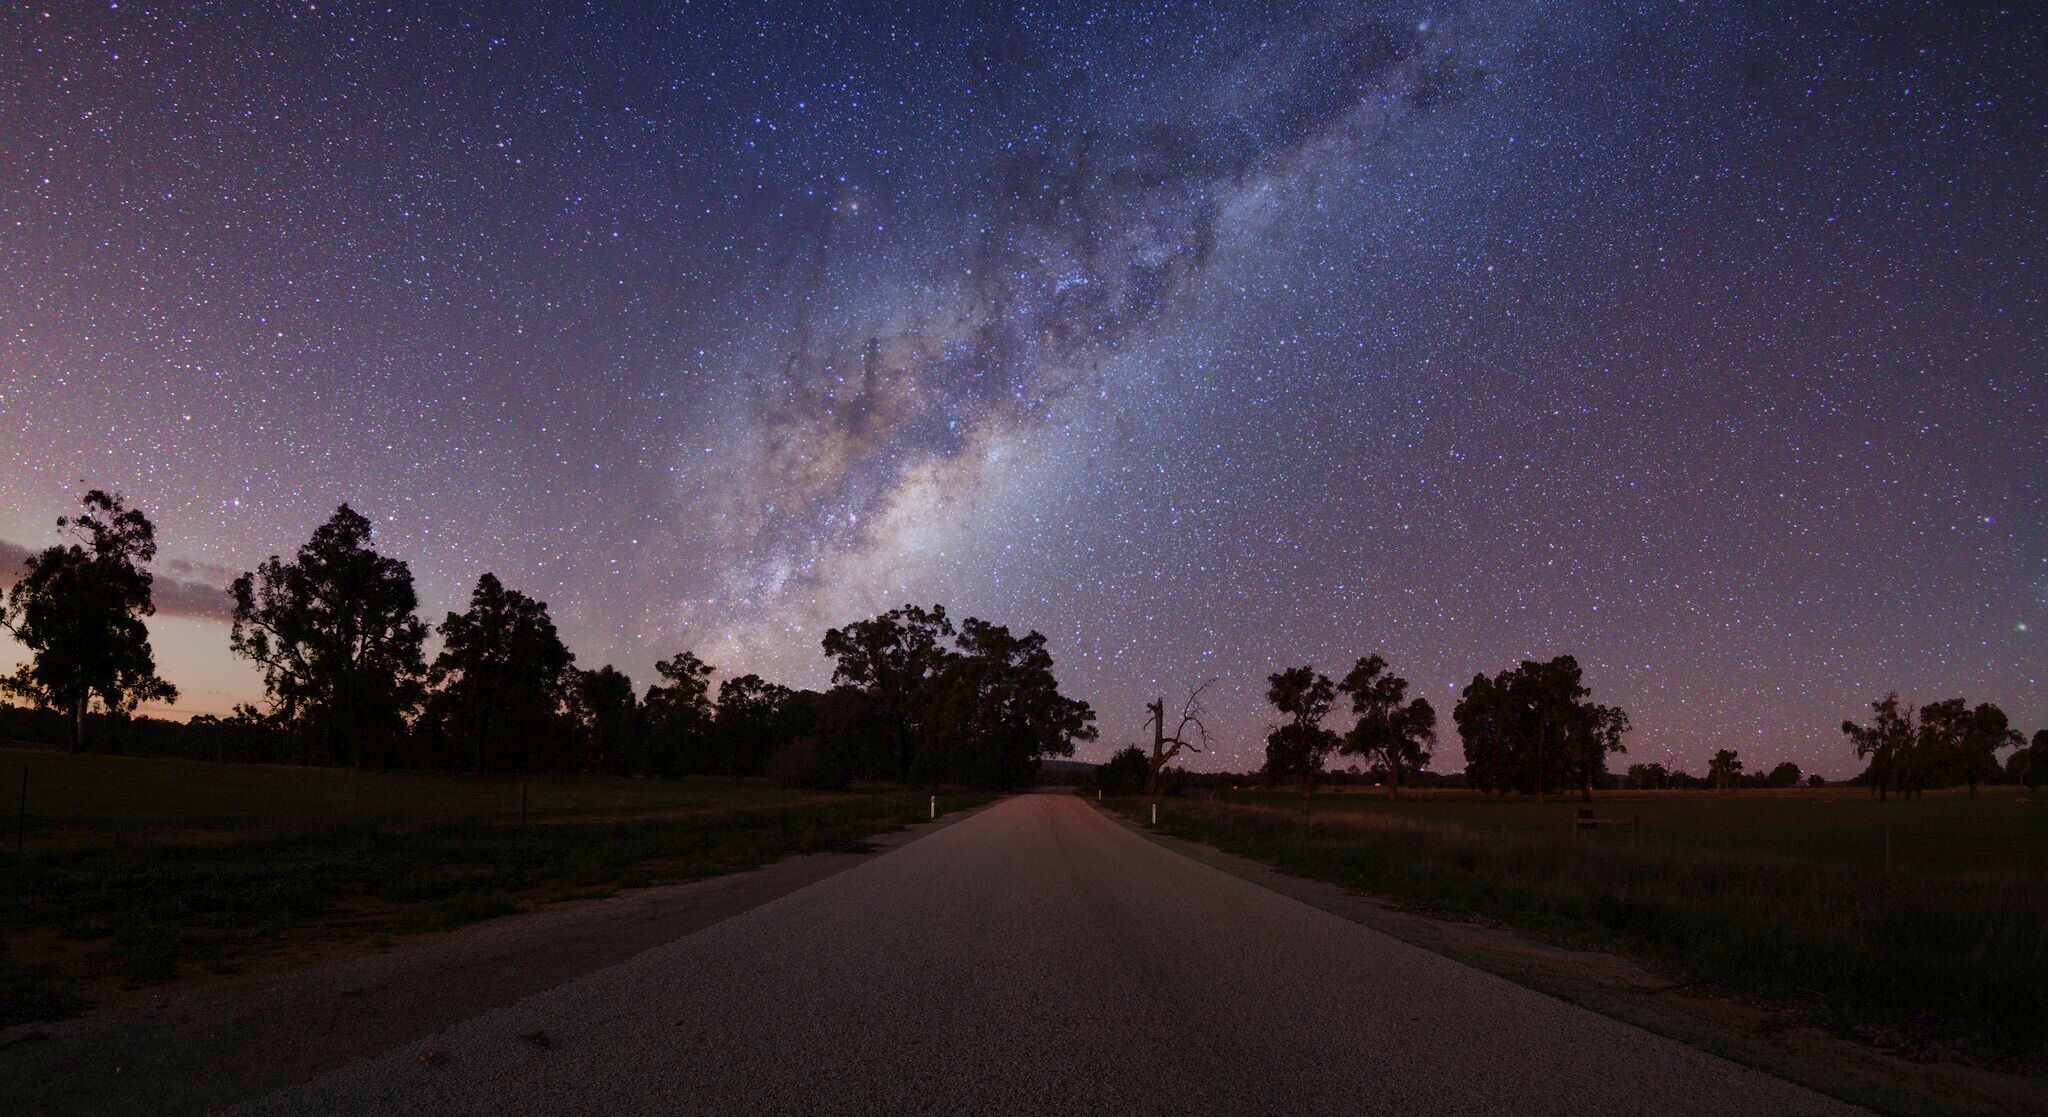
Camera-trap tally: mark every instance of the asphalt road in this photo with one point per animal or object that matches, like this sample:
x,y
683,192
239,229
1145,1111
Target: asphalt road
x,y
1041,958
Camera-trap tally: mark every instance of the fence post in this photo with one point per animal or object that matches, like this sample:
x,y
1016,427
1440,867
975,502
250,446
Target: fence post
x,y
522,803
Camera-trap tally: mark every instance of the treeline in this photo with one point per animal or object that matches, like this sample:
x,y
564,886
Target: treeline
x,y
1534,729
1531,728
336,632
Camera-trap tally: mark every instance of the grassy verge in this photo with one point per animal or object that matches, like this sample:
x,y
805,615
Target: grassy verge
x,y
172,889
1947,955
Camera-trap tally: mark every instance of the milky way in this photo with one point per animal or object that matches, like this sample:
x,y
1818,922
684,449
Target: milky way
x,y
1705,345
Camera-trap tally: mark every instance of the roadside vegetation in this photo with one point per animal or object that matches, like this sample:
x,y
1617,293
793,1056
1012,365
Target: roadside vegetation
x,y
1935,946
137,872
1908,905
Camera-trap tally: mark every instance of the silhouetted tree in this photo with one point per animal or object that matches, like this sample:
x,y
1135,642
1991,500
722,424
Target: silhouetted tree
x,y
1298,748
1936,746
1727,769
1393,730
2032,762
1648,777
79,610
997,711
608,721
1786,774
1976,756
891,660
335,635
680,720
1127,772
752,716
1165,746
502,681
1533,727
1886,742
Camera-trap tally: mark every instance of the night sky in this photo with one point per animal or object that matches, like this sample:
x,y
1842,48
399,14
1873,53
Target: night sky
x,y
1703,342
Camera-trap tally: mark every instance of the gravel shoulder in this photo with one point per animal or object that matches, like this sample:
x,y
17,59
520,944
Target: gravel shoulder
x,y
1038,958
194,1050
1762,1037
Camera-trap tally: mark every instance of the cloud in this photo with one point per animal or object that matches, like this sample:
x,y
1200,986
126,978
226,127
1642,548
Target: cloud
x,y
193,589
180,588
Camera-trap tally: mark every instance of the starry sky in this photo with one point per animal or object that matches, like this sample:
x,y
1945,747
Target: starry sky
x,y
1703,342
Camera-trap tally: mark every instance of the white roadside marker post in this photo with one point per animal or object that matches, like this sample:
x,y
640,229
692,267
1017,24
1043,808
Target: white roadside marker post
x,y
935,806
1155,814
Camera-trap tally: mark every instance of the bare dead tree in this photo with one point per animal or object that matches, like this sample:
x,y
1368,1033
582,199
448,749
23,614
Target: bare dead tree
x,y
1166,746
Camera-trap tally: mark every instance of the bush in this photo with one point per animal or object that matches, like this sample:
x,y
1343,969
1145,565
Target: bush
x,y
1124,773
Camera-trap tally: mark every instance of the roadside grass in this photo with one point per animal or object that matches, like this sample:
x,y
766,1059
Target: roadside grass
x,y
1784,897
139,871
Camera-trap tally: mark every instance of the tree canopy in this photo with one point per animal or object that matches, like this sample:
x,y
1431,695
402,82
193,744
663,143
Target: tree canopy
x,y
1297,748
79,609
335,635
1393,731
1534,728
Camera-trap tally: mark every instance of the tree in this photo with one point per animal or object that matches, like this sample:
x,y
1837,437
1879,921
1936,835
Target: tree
x,y
502,681
1937,746
891,660
1488,726
1393,730
1885,742
752,713
79,610
1164,746
680,716
1298,748
1590,734
1986,731
1786,774
1727,769
1534,727
1648,777
335,635
1127,772
2032,762
607,717
996,711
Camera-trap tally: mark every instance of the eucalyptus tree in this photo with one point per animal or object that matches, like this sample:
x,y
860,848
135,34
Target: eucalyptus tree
x,y
79,609
335,633
1297,748
1393,730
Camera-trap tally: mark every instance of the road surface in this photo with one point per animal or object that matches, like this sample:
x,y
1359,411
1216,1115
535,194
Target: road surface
x,y
1039,957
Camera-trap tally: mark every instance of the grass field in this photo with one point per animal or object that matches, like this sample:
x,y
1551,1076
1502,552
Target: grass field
x,y
1943,944
137,871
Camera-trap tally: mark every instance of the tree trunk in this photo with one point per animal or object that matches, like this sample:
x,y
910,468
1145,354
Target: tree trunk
x,y
1158,709
78,724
